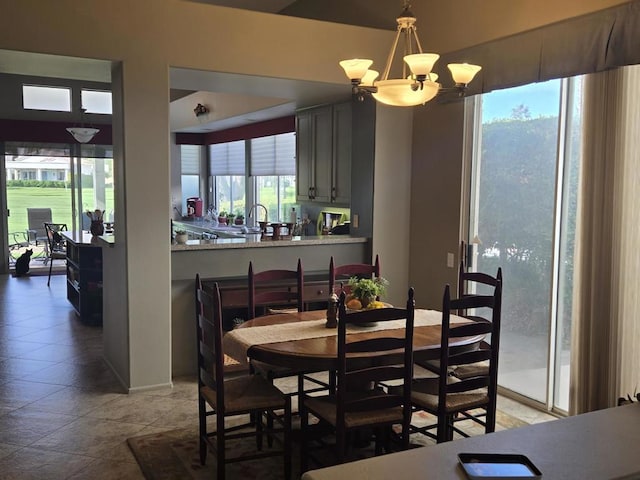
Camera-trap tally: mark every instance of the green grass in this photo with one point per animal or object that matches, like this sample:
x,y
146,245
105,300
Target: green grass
x,y
58,199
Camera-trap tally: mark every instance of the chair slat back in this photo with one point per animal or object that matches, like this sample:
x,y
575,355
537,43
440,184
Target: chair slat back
x,y
476,283
275,287
36,218
450,356
344,272
209,340
54,239
351,376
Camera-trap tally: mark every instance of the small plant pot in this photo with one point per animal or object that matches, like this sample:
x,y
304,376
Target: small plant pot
x,y
239,221
182,238
222,220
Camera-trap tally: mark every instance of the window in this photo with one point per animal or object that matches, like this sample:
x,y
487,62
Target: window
x,y
271,179
227,166
273,163
57,99
190,173
96,101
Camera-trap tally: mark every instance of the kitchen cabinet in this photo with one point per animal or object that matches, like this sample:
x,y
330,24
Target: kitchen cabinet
x,y
84,277
323,154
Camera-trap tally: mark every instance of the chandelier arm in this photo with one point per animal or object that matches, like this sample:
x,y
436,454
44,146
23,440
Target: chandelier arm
x,y
387,68
458,89
414,30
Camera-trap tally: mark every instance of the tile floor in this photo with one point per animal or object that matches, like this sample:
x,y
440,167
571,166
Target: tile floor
x,y
62,413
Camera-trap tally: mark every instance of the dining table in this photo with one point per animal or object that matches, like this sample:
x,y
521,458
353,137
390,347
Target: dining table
x,y
301,340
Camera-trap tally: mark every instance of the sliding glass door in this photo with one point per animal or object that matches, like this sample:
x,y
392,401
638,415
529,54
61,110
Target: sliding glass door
x,y
67,180
522,218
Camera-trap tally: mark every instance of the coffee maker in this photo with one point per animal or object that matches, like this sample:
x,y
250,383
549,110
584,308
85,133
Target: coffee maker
x,y
194,207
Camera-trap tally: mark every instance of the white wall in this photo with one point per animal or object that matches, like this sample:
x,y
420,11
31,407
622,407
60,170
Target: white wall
x,y
392,198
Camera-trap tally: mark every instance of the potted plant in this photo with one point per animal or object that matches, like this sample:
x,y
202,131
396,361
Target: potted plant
x,y
231,218
222,217
366,291
181,236
239,219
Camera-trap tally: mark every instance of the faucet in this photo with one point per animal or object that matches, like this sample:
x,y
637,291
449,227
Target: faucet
x,y
266,213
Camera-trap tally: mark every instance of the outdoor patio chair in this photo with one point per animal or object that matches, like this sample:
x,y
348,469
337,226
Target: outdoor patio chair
x,y
36,218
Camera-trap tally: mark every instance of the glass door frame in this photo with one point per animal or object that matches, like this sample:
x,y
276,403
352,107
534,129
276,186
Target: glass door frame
x,y
472,146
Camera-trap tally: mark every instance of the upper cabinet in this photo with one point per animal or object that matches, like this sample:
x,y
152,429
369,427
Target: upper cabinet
x,y
323,160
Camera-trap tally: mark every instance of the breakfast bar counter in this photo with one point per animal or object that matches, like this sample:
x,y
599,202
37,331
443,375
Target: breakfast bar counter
x,y
226,260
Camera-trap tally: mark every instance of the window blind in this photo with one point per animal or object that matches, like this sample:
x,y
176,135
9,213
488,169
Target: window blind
x,y
227,158
274,155
190,159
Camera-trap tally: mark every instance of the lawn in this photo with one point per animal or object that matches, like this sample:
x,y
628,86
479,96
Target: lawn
x,y
58,199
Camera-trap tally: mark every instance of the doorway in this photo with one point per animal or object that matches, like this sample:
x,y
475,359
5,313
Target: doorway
x,y
68,180
524,174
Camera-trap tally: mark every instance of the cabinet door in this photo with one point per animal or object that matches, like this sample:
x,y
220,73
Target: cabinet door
x,y
314,154
341,168
303,157
322,153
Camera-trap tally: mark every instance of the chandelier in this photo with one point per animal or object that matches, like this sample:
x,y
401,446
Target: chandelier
x,y
83,134
416,86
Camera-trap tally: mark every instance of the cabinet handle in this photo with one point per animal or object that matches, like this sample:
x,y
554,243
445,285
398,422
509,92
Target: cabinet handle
x,y
333,193
320,292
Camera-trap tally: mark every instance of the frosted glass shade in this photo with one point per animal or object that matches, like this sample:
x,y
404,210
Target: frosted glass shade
x,y
369,78
82,135
463,72
421,63
399,93
355,68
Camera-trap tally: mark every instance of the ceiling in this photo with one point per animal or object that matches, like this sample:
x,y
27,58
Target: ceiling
x,y
233,100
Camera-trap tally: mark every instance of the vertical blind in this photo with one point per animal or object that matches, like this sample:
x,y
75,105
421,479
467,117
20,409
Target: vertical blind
x,y
274,155
227,158
190,159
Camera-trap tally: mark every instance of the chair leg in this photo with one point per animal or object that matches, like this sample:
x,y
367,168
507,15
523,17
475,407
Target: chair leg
x,y
50,267
202,420
220,441
287,439
304,432
259,430
490,420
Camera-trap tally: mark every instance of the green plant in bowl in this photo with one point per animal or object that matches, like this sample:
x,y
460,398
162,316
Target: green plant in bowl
x,y
366,289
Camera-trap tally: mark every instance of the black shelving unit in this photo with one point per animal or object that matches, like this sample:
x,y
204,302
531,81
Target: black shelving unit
x,y
84,277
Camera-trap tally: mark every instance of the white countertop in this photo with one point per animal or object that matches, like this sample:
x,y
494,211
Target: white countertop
x,y
254,241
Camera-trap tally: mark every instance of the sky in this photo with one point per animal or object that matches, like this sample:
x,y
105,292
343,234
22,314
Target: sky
x,y
542,99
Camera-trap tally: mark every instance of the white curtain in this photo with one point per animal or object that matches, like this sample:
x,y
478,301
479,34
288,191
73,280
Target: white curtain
x,y
606,330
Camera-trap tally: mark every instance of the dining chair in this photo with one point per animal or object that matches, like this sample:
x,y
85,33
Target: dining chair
x,y
361,364
56,248
470,283
240,395
272,290
342,273
452,399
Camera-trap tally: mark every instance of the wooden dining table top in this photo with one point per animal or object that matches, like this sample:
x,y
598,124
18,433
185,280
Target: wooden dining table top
x,y
321,353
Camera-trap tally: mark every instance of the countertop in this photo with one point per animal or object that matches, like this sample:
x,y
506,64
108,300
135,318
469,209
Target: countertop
x,y
255,241
86,239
